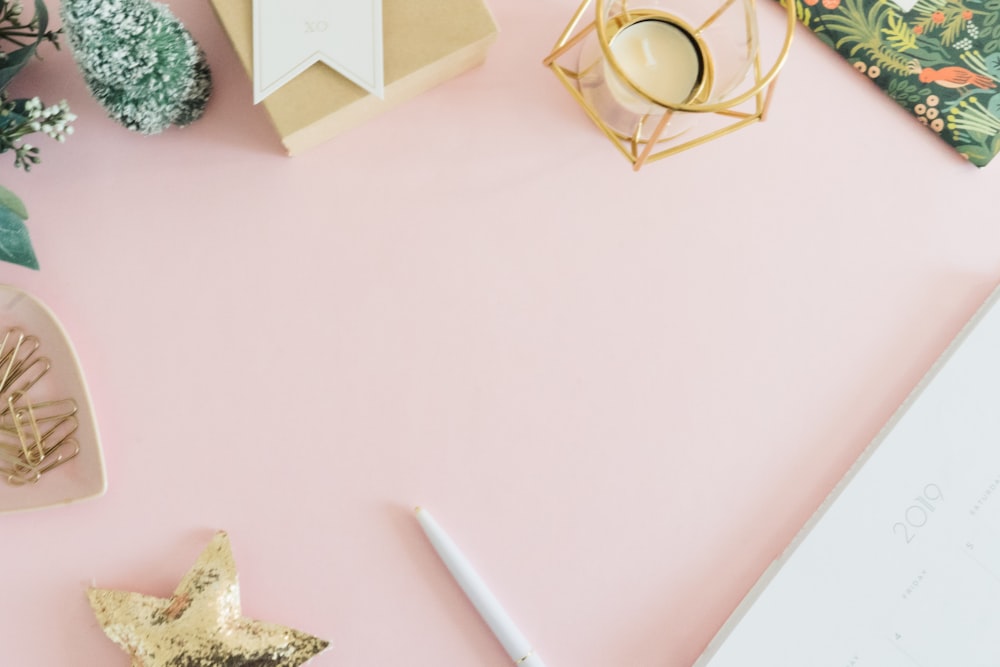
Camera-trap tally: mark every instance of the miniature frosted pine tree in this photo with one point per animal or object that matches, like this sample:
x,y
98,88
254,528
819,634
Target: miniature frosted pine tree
x,y
139,62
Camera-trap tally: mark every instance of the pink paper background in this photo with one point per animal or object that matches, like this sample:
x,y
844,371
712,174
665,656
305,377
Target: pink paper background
x,y
621,393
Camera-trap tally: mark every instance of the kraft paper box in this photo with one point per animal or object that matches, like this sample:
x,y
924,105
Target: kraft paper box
x,y
426,42
938,59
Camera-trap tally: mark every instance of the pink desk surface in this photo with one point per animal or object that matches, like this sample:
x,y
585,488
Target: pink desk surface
x,y
621,393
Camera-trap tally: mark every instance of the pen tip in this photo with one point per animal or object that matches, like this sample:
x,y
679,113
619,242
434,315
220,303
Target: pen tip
x,y
417,509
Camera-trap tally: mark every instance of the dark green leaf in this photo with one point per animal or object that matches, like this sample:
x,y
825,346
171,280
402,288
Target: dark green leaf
x,y
11,119
15,244
15,61
977,155
993,106
826,39
20,57
993,64
42,13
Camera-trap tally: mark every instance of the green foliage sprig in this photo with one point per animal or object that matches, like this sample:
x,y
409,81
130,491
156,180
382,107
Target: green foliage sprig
x,y
19,118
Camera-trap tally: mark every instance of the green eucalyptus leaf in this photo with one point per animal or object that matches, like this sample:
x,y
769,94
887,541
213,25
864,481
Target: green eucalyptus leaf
x,y
15,244
18,58
42,14
13,203
15,62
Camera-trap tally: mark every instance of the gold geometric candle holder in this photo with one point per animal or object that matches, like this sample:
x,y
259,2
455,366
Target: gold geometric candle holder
x,y
661,76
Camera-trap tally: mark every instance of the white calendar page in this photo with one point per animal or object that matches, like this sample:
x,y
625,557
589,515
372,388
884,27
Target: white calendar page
x,y
901,566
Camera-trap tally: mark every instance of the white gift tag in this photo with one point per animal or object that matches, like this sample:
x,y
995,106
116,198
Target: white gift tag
x,y
292,35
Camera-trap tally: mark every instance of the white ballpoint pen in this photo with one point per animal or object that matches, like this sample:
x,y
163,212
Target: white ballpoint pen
x,y
475,589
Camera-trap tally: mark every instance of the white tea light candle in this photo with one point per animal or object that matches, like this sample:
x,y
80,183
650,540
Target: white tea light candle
x,y
659,59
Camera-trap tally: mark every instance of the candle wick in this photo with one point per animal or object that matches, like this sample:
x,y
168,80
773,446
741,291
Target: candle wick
x,y
650,58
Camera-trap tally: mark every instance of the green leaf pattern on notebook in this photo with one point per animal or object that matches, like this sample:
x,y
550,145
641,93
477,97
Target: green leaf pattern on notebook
x,y
940,60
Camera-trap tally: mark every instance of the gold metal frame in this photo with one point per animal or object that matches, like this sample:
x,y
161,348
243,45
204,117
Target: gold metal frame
x,y
635,148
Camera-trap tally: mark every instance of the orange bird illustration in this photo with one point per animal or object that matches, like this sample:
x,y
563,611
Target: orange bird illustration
x,y
955,77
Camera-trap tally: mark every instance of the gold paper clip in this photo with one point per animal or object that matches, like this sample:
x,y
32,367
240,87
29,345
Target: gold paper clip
x,y
31,373
45,411
32,445
20,477
26,450
52,448
13,361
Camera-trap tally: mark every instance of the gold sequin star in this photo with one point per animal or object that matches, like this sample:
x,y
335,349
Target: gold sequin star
x,y
201,625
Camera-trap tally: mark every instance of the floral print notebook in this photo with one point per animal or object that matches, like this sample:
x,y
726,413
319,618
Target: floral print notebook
x,y
939,59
